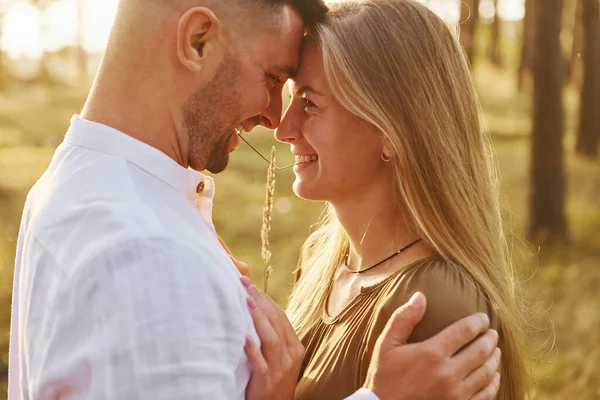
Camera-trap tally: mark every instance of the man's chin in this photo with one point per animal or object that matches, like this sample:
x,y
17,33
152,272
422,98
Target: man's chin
x,y
217,165
220,158
233,142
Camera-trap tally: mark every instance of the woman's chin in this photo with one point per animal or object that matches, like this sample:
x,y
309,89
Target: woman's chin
x,y
306,191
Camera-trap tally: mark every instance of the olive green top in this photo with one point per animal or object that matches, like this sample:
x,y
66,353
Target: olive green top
x,y
339,349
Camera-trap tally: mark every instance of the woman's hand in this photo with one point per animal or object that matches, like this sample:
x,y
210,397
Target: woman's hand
x,y
240,265
276,365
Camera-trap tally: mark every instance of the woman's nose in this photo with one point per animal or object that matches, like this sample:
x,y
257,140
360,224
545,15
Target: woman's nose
x,y
288,131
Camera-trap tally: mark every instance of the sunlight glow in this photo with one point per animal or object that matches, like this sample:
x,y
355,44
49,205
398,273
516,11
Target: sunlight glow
x,y
21,31
61,20
511,10
26,32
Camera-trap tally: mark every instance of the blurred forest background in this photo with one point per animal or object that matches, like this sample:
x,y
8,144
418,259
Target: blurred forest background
x,y
536,64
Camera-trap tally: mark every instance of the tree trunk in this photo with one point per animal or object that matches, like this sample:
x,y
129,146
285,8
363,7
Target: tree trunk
x,y
547,215
44,75
469,17
589,111
527,44
82,61
494,46
2,69
576,45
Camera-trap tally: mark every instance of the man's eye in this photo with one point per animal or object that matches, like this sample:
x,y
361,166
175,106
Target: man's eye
x,y
275,81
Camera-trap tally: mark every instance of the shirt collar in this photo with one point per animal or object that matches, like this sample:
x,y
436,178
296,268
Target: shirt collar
x,y
102,138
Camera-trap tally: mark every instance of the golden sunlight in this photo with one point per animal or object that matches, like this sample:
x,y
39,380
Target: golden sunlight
x,y
20,31
27,31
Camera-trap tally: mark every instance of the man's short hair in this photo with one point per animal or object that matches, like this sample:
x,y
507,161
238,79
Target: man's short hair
x,y
311,11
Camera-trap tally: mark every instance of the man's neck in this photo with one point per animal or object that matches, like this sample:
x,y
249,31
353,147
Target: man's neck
x,y
136,110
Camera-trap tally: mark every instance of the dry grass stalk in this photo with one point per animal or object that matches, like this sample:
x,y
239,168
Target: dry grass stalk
x,y
266,219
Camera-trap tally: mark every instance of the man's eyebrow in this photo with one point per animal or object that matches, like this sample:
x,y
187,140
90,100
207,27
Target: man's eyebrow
x,y
288,71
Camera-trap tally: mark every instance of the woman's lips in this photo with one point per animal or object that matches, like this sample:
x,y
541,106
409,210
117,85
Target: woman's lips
x,y
303,159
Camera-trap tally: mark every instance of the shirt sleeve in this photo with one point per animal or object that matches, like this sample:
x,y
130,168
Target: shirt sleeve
x,y
147,319
362,394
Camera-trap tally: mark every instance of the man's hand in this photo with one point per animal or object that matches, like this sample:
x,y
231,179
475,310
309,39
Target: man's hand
x,y
275,368
435,368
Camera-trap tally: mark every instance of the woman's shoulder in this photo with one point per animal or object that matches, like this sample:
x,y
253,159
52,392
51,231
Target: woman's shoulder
x,y
451,291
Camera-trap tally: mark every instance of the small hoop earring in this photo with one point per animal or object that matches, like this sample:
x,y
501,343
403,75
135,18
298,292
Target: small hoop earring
x,y
384,158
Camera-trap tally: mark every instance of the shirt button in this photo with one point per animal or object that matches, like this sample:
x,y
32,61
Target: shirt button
x,y
200,187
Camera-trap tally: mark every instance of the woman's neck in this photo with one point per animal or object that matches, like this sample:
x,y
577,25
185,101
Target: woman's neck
x,y
375,226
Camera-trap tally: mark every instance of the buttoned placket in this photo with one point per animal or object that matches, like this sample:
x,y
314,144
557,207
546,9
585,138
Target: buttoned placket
x,y
202,200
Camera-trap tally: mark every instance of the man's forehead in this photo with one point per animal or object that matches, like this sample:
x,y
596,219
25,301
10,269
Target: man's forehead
x,y
283,59
286,44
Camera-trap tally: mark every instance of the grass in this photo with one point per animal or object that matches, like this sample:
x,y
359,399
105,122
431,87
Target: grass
x,y
565,281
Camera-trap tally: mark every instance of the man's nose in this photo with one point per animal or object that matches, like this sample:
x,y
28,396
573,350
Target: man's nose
x,y
271,118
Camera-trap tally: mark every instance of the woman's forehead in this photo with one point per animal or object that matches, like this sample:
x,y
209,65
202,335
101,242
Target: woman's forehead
x,y
310,74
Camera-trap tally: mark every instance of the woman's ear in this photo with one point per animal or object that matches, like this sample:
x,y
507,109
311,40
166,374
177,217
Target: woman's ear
x,y
388,150
387,153
199,40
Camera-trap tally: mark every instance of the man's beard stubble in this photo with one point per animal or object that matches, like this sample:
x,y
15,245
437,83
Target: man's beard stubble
x,y
211,117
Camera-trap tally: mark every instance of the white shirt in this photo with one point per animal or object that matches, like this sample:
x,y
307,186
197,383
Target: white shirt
x,y
122,290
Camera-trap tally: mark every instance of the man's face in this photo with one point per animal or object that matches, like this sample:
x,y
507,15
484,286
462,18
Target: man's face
x,y
244,92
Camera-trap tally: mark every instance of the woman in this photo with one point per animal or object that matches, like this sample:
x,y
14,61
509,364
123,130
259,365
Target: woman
x,y
385,125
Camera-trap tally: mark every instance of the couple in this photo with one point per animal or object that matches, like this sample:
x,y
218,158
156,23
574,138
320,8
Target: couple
x,y
122,288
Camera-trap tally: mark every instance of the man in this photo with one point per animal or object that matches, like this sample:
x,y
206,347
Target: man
x,y
122,289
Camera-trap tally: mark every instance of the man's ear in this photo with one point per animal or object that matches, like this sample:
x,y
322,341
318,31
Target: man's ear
x,y
199,40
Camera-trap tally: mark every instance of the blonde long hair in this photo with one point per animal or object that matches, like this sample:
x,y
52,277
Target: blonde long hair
x,y
398,66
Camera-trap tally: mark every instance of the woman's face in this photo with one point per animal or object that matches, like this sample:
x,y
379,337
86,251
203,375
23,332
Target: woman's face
x,y
337,154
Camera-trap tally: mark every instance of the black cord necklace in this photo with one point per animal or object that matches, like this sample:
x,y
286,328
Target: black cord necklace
x,y
360,271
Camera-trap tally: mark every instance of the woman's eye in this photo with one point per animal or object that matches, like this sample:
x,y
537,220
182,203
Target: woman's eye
x,y
307,103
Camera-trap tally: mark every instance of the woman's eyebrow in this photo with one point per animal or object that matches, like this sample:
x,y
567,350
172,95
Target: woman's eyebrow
x,y
306,89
